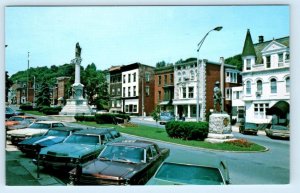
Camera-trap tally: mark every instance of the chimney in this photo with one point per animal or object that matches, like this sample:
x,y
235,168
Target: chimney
x,y
260,39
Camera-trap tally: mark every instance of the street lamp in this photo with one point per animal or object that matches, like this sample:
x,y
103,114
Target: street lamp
x,y
198,70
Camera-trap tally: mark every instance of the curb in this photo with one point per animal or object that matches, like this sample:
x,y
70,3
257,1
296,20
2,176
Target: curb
x,y
199,148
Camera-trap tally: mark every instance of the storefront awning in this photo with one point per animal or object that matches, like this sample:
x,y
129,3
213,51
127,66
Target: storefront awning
x,y
279,108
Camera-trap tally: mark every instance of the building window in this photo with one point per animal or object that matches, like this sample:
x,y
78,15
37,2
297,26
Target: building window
x,y
273,85
171,78
260,110
134,77
112,103
184,75
124,91
268,61
129,77
259,87
129,91
147,77
147,91
134,91
159,80
119,91
248,64
192,75
287,85
287,57
191,92
184,92
124,78
159,95
248,87
228,93
118,103
135,108
280,59
166,79
179,77
126,108
237,95
113,91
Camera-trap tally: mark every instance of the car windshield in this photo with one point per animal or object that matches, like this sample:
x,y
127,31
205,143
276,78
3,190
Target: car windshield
x,y
189,174
8,110
53,132
83,139
16,119
250,126
167,114
122,154
279,127
40,126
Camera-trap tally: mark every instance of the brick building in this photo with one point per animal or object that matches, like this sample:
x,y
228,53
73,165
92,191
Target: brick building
x,y
164,88
115,89
19,93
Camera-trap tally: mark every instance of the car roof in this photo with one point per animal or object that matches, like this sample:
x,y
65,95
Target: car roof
x,y
48,122
206,160
134,143
93,131
66,128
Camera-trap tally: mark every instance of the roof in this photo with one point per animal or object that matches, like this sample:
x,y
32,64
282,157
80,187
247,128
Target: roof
x,y
66,128
260,46
207,62
134,143
207,160
96,131
248,49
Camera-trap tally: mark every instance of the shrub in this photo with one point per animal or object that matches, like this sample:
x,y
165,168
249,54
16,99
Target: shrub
x,y
90,118
26,107
50,110
187,130
111,118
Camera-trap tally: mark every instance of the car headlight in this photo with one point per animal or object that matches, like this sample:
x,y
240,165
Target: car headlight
x,y
75,160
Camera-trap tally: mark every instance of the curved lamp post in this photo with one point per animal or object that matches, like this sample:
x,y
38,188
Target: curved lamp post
x,y
198,70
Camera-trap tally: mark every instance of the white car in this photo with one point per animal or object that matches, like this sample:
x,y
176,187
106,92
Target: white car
x,y
33,130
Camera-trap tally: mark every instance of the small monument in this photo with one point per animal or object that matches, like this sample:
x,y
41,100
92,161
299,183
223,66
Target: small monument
x,y
219,122
76,104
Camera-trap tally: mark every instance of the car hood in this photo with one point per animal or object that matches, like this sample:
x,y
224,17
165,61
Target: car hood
x,y
156,181
11,123
69,149
26,131
43,140
111,169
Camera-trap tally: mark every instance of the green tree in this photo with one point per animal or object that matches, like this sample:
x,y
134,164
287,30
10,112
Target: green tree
x,y
160,64
235,60
43,95
156,114
8,84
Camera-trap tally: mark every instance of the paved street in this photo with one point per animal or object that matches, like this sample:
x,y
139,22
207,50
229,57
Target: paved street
x,y
271,167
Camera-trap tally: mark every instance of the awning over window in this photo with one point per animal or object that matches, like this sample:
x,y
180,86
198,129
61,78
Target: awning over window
x,y
280,108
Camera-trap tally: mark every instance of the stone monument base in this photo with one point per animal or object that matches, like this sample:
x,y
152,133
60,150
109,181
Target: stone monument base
x,y
219,128
76,106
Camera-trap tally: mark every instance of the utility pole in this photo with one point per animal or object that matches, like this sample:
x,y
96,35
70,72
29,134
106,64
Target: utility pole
x,y
33,102
27,79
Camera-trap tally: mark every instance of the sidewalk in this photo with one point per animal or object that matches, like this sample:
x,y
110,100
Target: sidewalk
x,y
22,172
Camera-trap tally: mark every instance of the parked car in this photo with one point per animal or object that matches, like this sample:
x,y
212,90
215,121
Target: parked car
x,y
278,131
19,122
80,147
166,117
124,163
33,130
248,128
33,145
102,112
201,171
9,112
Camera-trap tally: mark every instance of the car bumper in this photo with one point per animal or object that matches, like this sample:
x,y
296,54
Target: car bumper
x,y
28,149
55,165
280,135
16,139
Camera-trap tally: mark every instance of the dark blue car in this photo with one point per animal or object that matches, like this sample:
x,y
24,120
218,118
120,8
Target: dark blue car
x,y
33,145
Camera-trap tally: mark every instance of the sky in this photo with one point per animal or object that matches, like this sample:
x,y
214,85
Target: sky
x,y
120,35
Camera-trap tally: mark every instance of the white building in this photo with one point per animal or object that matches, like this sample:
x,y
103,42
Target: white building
x,y
266,79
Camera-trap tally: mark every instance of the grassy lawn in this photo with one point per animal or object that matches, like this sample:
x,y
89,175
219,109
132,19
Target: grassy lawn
x,y
33,112
160,134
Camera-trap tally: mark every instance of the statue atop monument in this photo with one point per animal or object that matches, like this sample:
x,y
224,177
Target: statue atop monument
x,y
77,50
217,96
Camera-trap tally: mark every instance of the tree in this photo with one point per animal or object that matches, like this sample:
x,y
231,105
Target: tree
x,y
43,95
160,64
8,84
156,114
235,60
